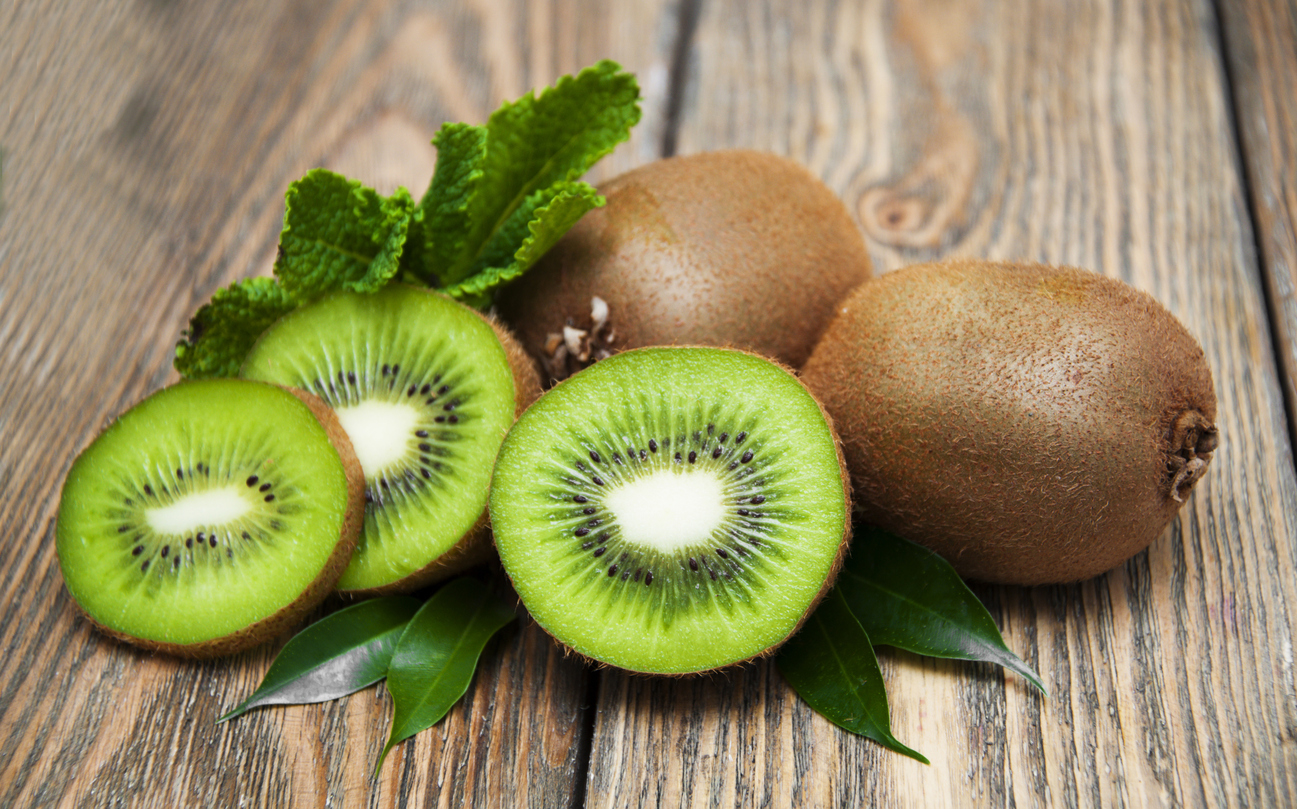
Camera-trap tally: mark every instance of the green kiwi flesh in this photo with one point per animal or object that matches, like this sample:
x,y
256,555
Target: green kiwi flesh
x,y
209,517
1030,424
672,510
426,391
730,248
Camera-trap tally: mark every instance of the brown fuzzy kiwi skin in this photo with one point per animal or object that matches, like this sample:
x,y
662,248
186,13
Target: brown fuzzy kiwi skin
x,y
291,614
476,546
730,248
1030,424
834,569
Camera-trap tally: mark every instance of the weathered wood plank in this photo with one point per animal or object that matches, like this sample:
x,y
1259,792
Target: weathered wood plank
x,y
1261,40
147,147
1095,134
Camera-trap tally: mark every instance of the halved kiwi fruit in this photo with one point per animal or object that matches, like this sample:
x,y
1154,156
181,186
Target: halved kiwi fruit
x,y
209,517
672,510
426,388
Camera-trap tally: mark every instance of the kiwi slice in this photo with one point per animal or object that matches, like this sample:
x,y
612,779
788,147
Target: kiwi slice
x,y
672,510
426,390
209,517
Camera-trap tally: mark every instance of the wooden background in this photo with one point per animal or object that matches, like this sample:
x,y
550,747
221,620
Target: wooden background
x,y
146,148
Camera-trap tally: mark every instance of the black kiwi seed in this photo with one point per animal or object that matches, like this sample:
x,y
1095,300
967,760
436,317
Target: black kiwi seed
x,y
582,531
265,487
139,549
411,391
189,543
585,546
758,500
589,510
716,453
693,563
723,437
580,498
678,460
144,567
722,554
166,549
693,456
625,575
653,445
747,456
175,562
121,529
452,419
269,498
252,480
600,552
421,434
740,438
594,456
648,578
612,571
597,480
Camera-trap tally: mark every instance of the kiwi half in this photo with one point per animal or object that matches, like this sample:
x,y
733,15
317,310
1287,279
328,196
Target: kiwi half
x,y
426,391
209,517
672,510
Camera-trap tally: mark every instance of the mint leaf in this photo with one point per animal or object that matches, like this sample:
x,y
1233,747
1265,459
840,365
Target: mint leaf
x,y
532,144
461,157
221,333
340,234
528,234
335,656
831,665
906,596
437,655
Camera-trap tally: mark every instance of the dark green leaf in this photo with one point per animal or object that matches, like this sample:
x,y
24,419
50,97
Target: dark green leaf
x,y
339,234
831,665
437,654
906,596
222,331
335,656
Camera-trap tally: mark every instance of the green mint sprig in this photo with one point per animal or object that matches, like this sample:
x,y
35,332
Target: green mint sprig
x,y
501,196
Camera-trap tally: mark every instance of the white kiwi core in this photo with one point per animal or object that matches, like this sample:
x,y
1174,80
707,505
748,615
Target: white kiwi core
x,y
199,510
379,431
668,510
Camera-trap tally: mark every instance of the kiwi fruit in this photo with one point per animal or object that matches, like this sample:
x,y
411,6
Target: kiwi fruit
x,y
210,517
672,510
426,389
1030,424
730,248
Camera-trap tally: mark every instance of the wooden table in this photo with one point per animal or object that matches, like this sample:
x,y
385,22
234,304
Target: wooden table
x,y
146,148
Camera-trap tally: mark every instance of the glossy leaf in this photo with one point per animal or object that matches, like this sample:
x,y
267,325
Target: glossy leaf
x,y
437,654
906,596
335,656
831,665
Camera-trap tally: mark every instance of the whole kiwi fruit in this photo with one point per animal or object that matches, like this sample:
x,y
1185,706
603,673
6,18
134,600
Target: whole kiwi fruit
x,y
731,248
1030,424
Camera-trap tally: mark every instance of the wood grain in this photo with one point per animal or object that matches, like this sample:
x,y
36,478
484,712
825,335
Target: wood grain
x,y
147,146
1096,134
1261,40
